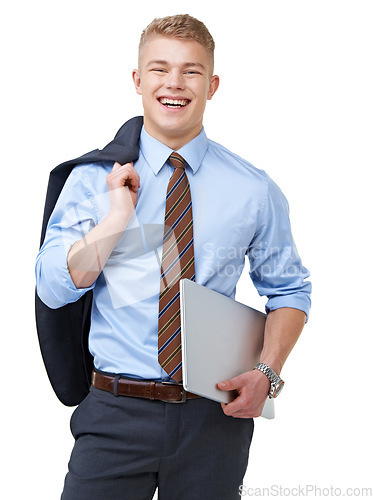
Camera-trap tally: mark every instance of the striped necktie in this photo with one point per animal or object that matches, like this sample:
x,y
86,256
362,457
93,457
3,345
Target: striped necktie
x,y
177,263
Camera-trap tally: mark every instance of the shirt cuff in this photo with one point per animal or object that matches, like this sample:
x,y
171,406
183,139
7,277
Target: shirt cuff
x,y
299,301
54,285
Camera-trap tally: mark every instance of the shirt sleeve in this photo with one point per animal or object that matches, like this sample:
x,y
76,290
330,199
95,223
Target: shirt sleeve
x,y
275,266
74,215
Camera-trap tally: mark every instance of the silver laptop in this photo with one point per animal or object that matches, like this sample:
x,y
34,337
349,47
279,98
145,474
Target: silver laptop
x,y
221,338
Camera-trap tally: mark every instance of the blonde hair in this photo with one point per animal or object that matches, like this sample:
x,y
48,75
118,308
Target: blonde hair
x,y
181,26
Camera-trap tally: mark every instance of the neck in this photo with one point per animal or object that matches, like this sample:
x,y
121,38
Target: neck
x,y
171,140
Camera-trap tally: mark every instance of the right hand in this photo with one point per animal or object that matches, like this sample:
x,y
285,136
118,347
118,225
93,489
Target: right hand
x,y
123,183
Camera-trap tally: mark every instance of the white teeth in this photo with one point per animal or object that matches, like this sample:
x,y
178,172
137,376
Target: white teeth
x,y
173,102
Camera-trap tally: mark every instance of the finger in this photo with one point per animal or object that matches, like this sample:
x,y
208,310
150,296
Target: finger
x,y
130,175
252,412
237,405
245,414
124,175
133,179
240,414
116,166
235,413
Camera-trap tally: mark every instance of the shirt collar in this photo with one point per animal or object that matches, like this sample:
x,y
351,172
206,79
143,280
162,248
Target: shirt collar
x,y
156,153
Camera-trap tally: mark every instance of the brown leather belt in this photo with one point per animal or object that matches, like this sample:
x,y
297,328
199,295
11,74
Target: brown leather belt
x,y
162,391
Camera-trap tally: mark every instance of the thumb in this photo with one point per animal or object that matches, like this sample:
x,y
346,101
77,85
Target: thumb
x,y
228,385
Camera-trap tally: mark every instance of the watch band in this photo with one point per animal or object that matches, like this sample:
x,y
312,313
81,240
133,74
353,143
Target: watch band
x,y
276,381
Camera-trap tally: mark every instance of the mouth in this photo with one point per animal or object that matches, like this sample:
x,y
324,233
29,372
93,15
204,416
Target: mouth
x,y
173,103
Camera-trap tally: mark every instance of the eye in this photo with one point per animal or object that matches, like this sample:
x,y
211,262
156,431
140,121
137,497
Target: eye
x,y
192,73
158,70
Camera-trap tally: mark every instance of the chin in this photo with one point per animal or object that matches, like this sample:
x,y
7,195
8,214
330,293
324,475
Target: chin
x,y
172,126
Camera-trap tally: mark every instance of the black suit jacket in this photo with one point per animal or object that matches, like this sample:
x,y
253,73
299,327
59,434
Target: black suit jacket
x,y
63,332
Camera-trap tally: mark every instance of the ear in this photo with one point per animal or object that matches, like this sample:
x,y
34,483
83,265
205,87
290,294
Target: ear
x,y
137,81
213,87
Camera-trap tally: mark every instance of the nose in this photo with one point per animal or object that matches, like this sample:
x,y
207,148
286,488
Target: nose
x,y
175,80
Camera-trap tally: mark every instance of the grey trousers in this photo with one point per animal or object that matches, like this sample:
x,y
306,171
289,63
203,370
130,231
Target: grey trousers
x,y
126,447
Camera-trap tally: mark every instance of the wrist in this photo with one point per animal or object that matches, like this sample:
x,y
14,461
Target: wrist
x,y
262,379
276,383
274,363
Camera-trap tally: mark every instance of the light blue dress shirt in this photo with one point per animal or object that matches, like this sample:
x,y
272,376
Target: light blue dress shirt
x,y
237,210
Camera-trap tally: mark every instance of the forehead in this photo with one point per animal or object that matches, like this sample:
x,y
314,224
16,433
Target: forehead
x,y
174,51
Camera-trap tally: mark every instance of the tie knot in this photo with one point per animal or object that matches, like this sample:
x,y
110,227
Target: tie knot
x,y
176,160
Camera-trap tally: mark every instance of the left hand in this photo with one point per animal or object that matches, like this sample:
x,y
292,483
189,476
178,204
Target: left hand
x,y
252,388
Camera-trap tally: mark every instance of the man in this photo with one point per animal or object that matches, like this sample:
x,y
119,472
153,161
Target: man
x,y
130,438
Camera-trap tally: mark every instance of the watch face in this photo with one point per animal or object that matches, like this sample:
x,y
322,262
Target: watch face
x,y
279,389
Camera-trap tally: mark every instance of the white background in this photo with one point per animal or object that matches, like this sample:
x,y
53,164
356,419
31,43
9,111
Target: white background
x,y
295,100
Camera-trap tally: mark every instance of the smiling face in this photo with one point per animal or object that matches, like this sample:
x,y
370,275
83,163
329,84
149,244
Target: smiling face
x,y
175,82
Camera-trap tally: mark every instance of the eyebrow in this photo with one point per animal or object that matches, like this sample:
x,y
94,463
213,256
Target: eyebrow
x,y
186,65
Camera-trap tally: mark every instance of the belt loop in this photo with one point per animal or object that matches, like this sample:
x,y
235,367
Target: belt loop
x,y
116,380
152,390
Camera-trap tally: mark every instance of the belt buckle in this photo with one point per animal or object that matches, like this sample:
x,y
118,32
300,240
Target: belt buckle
x,y
183,397
183,394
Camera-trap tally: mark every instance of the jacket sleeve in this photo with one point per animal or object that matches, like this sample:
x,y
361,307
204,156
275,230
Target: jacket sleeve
x,y
275,265
74,215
